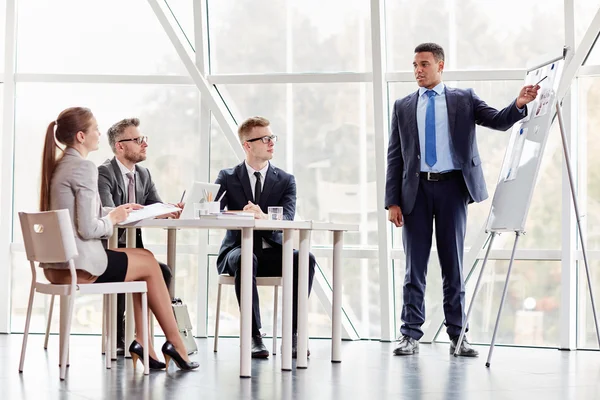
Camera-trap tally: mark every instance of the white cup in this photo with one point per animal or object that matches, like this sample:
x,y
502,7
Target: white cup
x,y
214,207
275,213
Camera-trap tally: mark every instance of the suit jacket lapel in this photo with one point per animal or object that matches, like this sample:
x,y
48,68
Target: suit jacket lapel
x,y
119,179
452,108
412,118
270,179
242,174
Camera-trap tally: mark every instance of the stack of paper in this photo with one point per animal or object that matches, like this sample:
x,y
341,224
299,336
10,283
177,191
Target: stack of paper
x,y
151,211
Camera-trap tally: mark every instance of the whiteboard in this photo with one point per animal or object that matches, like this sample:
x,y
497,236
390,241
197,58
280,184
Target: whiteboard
x,y
523,156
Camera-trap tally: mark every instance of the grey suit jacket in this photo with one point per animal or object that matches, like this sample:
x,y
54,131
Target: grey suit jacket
x,y
74,187
465,110
113,191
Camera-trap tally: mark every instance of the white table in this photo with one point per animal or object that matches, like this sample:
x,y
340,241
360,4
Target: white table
x,y
247,227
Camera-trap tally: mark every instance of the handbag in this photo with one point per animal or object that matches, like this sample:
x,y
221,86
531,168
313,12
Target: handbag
x,y
182,316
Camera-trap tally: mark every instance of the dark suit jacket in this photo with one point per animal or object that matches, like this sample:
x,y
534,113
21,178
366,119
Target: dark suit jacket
x,y
113,191
279,189
465,110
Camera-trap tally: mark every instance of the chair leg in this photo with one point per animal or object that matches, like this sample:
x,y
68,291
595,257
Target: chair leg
x,y
104,305
217,316
145,332
27,321
275,301
113,326
66,313
49,322
108,331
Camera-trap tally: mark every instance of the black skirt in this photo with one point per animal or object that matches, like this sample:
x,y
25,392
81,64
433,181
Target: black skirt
x,y
116,269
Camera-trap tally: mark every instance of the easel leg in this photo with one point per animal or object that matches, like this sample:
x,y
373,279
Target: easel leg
x,y
466,321
577,215
512,259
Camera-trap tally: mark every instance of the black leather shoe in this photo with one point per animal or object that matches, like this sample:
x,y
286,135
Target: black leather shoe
x,y
295,347
137,352
407,346
466,350
259,350
171,353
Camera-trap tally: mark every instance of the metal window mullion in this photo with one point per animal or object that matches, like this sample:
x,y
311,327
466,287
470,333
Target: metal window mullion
x,y
7,163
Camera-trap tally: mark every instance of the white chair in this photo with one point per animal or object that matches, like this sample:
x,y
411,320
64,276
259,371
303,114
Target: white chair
x,y
49,238
275,281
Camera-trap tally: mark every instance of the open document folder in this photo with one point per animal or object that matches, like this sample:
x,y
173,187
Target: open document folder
x,y
151,211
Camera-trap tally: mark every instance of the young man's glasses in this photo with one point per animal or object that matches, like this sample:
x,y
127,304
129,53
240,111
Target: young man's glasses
x,y
138,140
264,139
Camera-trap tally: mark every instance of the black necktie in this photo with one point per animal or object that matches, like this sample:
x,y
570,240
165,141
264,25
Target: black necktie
x,y
257,188
257,248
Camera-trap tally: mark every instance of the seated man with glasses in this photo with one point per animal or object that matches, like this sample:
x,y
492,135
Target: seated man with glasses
x,y
120,181
253,186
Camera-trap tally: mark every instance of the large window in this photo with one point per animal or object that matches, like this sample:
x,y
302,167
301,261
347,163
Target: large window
x,y
589,101
326,132
169,116
2,33
324,127
262,36
93,37
531,311
476,34
320,130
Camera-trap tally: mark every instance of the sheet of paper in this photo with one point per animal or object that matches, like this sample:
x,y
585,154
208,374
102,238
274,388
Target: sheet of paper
x,y
151,211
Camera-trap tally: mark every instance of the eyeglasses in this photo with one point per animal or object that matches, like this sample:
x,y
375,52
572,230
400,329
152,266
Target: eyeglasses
x,y
139,140
264,139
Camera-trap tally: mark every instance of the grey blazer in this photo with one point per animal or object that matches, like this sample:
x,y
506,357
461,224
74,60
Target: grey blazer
x,y
74,187
113,191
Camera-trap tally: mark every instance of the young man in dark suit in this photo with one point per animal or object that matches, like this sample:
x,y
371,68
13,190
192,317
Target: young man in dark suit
x,y
253,186
121,180
433,173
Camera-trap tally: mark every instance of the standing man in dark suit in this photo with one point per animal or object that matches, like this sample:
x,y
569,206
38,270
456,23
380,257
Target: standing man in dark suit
x,y
253,186
121,180
433,173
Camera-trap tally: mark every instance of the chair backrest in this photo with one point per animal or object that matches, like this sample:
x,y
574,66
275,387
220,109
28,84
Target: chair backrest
x,y
48,236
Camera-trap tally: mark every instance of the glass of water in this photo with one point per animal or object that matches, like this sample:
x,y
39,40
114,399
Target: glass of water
x,y
275,213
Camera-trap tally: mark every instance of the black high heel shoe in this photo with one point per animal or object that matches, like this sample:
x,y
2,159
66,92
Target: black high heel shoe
x,y
137,352
171,353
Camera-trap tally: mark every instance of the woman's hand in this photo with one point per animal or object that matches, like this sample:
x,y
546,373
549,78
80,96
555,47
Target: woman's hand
x,y
119,214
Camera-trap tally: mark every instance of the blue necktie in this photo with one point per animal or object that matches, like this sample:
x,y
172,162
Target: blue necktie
x,y
430,154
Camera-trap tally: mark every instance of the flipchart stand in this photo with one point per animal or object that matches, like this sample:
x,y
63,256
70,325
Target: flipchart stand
x,y
518,233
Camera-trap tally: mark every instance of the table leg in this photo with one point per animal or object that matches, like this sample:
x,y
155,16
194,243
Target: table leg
x,y
246,303
287,293
172,258
301,361
336,320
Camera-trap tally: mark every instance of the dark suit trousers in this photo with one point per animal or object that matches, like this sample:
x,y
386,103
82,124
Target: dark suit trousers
x,y
445,204
267,263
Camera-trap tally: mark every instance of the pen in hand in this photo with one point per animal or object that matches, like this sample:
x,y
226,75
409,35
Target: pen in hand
x,y
540,81
182,196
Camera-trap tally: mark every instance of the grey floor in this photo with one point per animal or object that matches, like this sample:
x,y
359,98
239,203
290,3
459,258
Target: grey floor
x,y
368,371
